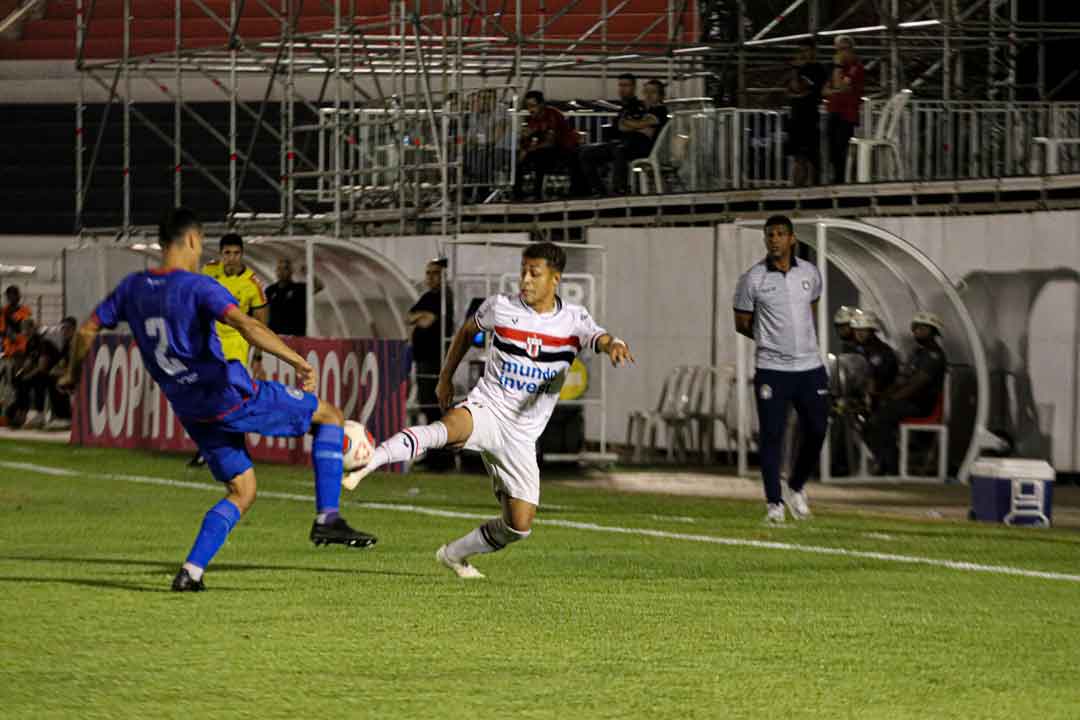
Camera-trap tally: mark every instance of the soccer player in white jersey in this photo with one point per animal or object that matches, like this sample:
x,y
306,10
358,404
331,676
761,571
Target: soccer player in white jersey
x,y
535,338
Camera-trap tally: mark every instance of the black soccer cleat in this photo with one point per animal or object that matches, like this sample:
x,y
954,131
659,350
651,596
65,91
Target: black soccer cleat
x,y
198,461
338,532
183,582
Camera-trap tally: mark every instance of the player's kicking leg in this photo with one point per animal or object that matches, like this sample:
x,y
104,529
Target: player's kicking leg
x,y
451,431
327,429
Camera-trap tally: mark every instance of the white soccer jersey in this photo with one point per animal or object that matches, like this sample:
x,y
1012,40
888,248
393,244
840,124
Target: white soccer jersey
x,y
528,358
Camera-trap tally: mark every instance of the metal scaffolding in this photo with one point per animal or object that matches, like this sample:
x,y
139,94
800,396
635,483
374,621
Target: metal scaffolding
x,y
415,108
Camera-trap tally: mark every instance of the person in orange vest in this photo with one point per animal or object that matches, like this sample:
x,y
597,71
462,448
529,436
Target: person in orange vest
x,y
14,323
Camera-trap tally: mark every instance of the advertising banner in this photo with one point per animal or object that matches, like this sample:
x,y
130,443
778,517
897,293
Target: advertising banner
x,y
119,405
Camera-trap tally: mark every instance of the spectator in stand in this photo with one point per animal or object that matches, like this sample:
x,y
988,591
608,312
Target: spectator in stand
x,y
426,320
597,157
15,323
287,300
548,143
639,135
805,83
843,95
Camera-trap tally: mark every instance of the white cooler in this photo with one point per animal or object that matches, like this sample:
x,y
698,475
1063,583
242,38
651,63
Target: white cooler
x,y
1012,491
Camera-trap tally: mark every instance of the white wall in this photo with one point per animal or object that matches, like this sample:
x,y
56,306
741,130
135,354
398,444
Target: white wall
x,y
660,300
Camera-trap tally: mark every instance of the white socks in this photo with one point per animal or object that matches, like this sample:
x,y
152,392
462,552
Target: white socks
x,y
493,535
194,571
409,444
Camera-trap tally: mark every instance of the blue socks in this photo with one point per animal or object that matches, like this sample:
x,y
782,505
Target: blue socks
x,y
216,525
326,455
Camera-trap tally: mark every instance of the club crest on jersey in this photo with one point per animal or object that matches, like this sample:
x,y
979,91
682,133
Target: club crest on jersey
x,y
533,345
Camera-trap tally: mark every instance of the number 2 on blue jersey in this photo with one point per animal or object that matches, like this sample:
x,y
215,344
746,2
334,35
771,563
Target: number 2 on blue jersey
x,y
156,330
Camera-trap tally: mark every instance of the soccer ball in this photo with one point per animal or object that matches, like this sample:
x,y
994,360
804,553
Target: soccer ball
x,y
359,446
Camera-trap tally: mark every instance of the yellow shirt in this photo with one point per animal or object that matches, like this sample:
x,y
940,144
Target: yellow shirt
x,y
248,292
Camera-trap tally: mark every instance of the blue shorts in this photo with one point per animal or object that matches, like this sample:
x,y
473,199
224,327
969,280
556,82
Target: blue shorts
x,y
275,410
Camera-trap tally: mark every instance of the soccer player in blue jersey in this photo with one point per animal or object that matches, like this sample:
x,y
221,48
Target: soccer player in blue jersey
x,y
171,311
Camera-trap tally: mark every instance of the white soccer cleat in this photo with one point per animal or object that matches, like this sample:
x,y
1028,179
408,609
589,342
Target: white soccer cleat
x,y
350,480
800,508
775,514
462,569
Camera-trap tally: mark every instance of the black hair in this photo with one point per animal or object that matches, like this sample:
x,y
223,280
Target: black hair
x,y
552,253
535,95
176,224
231,240
442,262
70,320
659,85
780,220
628,76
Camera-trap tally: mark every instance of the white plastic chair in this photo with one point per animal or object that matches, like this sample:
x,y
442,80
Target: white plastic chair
x,y
676,418
940,430
643,425
886,136
641,167
1051,145
713,381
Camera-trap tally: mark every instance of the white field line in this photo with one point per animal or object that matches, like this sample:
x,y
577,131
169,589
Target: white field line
x,y
575,525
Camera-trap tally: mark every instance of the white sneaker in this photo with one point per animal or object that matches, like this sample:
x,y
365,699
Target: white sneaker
x,y
462,569
34,420
775,514
796,502
350,480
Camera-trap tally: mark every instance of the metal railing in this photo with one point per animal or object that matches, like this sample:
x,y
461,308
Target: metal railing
x,y
397,155
951,140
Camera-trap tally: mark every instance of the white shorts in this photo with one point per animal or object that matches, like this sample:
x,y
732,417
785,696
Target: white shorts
x,y
509,455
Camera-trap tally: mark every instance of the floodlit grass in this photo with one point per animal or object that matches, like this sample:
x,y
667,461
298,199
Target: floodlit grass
x,y
573,623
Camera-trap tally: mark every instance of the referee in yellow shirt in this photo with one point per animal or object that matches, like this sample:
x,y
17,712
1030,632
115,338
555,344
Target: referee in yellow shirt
x,y
238,279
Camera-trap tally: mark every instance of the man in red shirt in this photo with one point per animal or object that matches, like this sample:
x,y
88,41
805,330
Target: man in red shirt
x,y
843,96
548,143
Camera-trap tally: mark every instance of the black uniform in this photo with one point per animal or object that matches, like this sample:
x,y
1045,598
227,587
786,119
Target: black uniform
x,y
428,349
882,364
881,432
804,135
288,307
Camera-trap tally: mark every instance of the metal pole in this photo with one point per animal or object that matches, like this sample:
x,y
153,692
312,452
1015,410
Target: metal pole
x,y
80,109
894,48
127,117
824,464
339,176
178,80
309,288
740,94
233,16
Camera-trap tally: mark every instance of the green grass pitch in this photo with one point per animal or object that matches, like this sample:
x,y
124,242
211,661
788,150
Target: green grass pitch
x,y
574,623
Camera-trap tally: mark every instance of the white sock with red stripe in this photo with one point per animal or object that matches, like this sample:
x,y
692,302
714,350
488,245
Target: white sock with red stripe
x,y
409,444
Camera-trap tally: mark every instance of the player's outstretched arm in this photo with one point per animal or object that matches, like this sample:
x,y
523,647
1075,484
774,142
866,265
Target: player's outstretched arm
x,y
267,340
616,349
444,391
80,348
